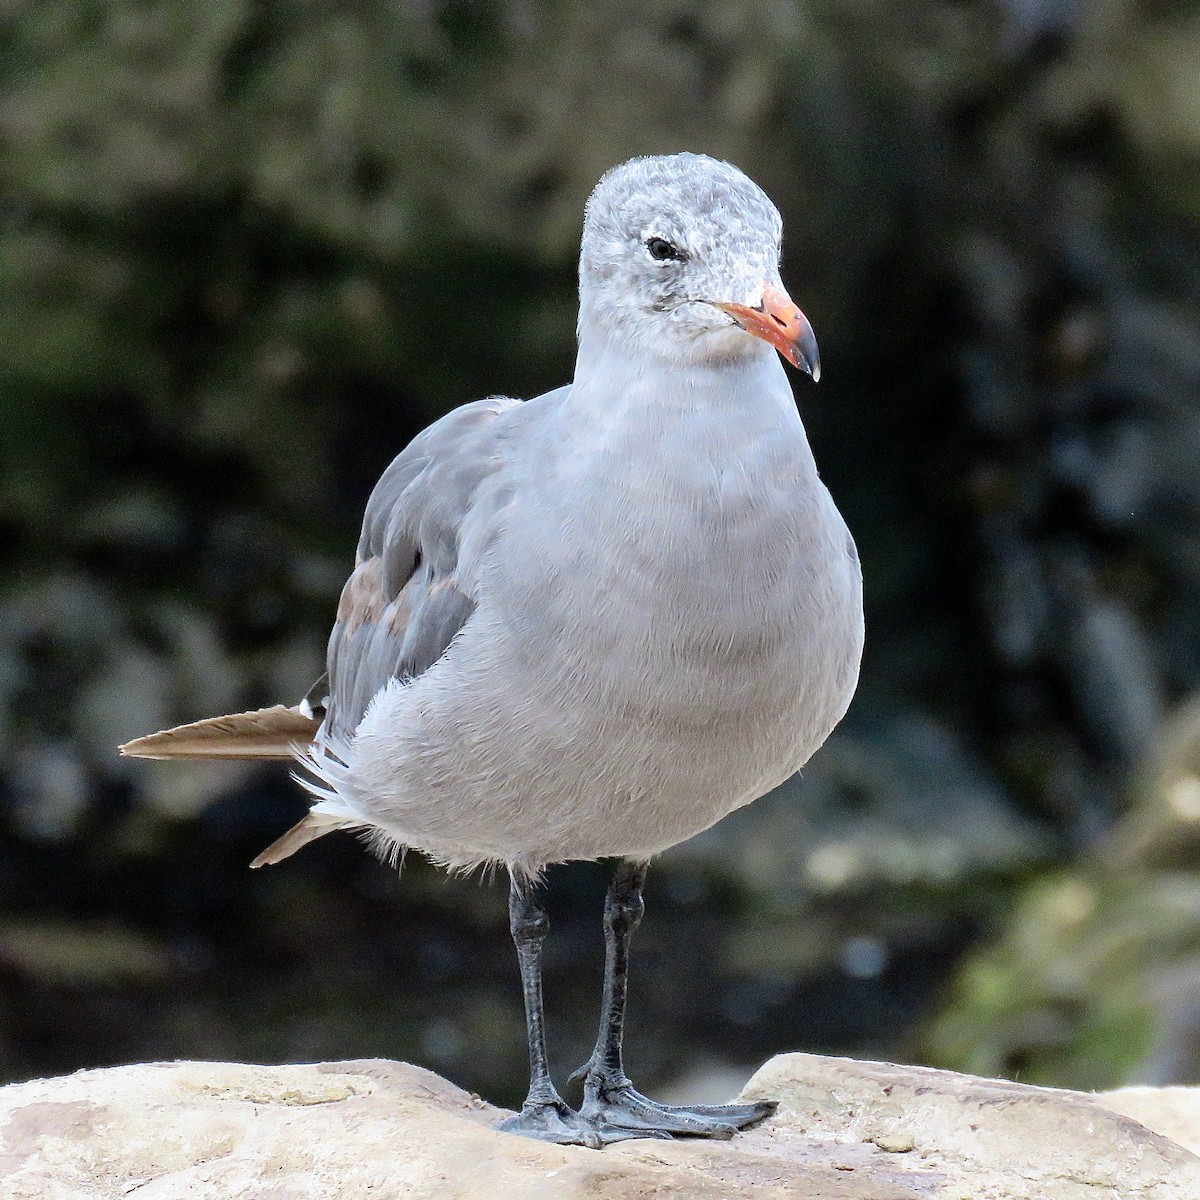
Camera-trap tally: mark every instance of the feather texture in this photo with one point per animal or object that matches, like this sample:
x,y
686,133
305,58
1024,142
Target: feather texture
x,y
313,825
411,592
276,732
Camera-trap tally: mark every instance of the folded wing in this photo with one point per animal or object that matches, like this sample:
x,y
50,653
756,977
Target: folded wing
x,y
410,592
413,588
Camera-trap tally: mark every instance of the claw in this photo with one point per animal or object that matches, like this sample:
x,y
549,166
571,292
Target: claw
x,y
581,1072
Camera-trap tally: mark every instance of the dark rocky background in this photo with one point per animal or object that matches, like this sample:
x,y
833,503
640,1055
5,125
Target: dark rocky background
x,y
248,249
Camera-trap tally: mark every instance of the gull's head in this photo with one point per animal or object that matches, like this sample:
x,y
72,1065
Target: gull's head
x,y
680,258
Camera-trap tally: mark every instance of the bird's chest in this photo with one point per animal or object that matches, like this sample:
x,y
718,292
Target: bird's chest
x,y
696,588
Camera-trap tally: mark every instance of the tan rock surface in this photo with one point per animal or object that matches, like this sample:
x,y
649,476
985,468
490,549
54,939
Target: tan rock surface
x,y
1173,1111
845,1130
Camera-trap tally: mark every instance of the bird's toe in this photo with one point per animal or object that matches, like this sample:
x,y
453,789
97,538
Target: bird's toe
x,y
624,1108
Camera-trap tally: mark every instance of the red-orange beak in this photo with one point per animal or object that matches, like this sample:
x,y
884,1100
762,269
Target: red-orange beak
x,y
780,324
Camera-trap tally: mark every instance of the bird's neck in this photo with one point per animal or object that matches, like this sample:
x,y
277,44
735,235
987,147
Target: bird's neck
x,y
617,378
641,416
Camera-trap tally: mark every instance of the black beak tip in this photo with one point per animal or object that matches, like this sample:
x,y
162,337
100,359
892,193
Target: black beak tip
x,y
808,355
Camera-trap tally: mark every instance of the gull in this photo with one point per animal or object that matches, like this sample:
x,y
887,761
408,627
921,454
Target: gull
x,y
591,624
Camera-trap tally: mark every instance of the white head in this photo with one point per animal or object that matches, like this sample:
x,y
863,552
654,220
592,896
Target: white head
x,y
680,258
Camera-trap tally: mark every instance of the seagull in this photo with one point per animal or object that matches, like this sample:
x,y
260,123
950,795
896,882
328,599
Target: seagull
x,y
591,624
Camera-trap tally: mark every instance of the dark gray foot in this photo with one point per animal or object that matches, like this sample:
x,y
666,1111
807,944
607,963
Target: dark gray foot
x,y
613,1105
550,1121
556,1121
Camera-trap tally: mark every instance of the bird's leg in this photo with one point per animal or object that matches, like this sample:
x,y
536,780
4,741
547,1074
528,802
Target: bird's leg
x,y
623,909
610,1101
545,1114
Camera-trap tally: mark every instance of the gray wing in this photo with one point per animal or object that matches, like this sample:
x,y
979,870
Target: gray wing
x,y
407,598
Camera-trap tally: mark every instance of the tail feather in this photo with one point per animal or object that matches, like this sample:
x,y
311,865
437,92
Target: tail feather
x,y
276,732
312,826
266,733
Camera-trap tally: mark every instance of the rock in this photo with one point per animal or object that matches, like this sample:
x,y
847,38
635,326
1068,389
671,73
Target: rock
x,y
1171,1111
845,1130
893,1143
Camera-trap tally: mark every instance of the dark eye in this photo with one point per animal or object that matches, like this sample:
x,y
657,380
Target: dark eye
x,y
662,251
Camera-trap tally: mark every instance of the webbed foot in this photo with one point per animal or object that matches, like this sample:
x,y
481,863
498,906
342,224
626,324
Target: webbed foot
x,y
555,1121
612,1103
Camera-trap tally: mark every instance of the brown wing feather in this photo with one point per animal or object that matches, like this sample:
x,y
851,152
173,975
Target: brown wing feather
x,y
264,733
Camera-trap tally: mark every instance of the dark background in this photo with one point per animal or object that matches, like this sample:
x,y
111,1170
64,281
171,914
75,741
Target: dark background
x,y
247,249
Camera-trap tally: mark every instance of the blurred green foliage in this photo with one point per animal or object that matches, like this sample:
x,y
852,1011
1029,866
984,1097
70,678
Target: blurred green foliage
x,y
248,249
